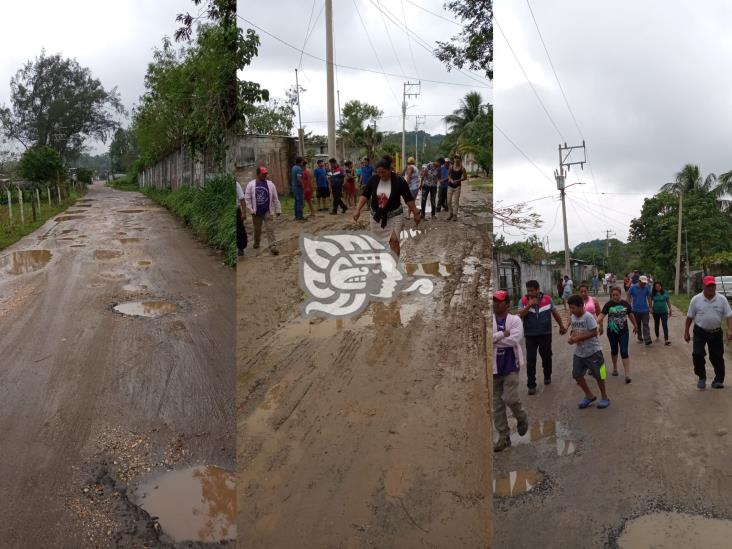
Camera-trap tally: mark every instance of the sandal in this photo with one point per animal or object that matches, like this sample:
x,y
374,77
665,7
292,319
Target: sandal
x,y
604,403
585,402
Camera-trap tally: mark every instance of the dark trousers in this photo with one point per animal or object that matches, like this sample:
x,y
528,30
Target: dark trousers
x,y
431,191
241,232
663,319
644,327
542,343
441,199
337,198
715,342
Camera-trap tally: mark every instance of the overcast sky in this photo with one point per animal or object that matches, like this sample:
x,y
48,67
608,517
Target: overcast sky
x,y
274,68
113,39
650,87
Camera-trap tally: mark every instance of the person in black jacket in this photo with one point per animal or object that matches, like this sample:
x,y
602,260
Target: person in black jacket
x,y
384,193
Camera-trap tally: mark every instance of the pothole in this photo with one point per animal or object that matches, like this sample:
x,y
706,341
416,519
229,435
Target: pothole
x,y
429,269
25,261
144,263
195,504
106,255
68,218
130,211
134,287
148,309
515,483
665,530
128,240
201,284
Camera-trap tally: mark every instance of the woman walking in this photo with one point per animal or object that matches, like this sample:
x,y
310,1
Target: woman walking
x,y
384,193
627,283
455,180
618,312
661,310
349,187
592,305
307,181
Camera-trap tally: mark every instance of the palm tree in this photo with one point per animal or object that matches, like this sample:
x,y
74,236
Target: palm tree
x,y
725,191
690,179
471,107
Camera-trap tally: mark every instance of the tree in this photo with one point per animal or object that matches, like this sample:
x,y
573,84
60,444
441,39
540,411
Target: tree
x,y
40,164
122,151
276,117
471,130
57,102
356,120
474,45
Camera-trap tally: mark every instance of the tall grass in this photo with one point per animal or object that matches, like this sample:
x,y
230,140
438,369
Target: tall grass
x,y
208,210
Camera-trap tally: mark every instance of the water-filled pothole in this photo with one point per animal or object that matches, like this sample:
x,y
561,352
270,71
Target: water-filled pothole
x,y
434,268
105,255
672,530
149,308
515,483
68,218
144,263
128,240
25,261
196,504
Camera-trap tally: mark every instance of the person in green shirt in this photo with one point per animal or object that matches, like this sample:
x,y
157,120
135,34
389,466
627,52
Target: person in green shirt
x,y
661,310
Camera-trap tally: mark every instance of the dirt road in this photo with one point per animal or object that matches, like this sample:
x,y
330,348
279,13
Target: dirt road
x,y
93,400
662,445
370,432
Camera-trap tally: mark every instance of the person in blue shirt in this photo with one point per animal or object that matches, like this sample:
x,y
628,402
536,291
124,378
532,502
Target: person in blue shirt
x,y
640,301
322,192
298,188
442,190
367,172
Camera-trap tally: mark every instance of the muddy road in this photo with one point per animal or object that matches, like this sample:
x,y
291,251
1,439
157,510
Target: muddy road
x,y
626,476
95,401
370,432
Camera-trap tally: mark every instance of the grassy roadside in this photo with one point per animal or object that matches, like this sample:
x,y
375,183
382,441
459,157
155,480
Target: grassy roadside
x,y
484,184
11,232
207,210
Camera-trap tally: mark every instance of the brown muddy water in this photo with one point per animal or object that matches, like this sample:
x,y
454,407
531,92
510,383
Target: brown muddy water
x,y
105,255
148,309
429,269
195,504
144,263
128,240
25,261
666,530
515,483
68,218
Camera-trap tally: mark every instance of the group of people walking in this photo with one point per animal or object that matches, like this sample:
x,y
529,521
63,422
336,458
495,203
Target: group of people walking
x,y
380,187
531,327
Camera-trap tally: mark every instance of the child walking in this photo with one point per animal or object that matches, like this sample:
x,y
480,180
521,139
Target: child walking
x,y
587,353
508,333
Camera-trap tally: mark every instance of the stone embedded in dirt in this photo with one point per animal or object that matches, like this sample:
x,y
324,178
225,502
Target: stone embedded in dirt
x,y
665,530
25,261
149,309
515,483
721,432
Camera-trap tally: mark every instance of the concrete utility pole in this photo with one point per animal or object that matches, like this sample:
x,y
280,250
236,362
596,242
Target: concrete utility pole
x,y
419,120
329,79
340,121
300,132
688,266
561,175
608,234
407,86
677,280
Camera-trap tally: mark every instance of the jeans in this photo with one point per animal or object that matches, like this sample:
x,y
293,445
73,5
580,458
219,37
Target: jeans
x,y
441,199
299,194
241,232
715,342
337,198
644,328
663,319
428,191
264,222
542,343
619,340
505,394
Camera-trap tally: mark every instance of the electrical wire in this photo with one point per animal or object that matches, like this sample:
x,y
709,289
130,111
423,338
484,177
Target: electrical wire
x,y
435,14
409,40
391,43
307,34
496,126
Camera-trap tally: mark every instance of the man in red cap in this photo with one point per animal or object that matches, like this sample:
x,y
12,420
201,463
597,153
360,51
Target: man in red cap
x,y
706,311
508,333
262,201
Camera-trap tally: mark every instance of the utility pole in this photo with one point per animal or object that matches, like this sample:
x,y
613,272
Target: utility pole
x,y
418,120
300,133
677,280
688,266
407,86
329,79
608,234
340,116
560,176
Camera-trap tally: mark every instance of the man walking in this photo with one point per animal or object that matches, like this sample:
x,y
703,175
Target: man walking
x,y
442,191
567,289
707,310
536,311
639,296
297,184
321,186
367,172
595,284
428,185
507,358
261,200
337,178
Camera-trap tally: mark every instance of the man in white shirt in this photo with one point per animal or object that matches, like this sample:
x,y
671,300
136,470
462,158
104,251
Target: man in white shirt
x,y
706,311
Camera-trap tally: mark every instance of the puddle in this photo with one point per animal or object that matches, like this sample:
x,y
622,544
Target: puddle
x,y
406,234
128,240
429,269
565,447
196,504
25,261
378,314
67,231
76,211
515,483
104,255
201,284
144,263
134,287
78,245
130,211
68,218
672,530
149,309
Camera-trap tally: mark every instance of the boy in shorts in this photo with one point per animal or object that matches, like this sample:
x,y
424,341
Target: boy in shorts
x,y
588,353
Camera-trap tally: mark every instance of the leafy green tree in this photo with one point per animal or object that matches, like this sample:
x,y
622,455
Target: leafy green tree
x,y
473,47
471,130
275,117
122,151
40,164
356,125
57,102
84,175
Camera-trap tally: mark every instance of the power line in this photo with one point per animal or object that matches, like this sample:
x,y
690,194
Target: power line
x,y
307,34
368,37
529,80
361,69
435,14
522,152
409,40
388,34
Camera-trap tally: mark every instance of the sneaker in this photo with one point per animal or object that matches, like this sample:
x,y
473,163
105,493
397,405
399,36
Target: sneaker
x,y
649,343
702,383
532,390
502,444
667,343
523,425
717,385
547,381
